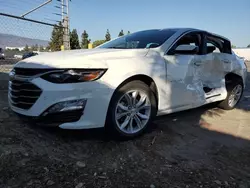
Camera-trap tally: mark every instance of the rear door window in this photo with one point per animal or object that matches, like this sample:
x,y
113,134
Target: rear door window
x,y
216,44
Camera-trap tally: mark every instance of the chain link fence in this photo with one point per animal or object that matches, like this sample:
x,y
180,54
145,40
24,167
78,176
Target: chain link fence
x,y
19,37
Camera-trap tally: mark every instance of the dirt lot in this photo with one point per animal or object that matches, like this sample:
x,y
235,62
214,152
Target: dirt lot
x,y
6,65
204,147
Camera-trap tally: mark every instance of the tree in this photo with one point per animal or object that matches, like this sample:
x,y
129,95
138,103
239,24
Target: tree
x,y
233,46
121,33
56,40
98,43
85,40
248,46
74,40
34,47
108,36
47,49
128,33
41,48
26,48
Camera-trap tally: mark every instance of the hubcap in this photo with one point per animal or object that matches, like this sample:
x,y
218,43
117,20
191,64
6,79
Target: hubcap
x,y
132,111
235,96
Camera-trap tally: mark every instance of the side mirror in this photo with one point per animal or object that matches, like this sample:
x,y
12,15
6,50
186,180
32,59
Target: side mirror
x,y
185,49
152,45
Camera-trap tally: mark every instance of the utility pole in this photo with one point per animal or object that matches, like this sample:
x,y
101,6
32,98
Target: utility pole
x,y
67,5
65,19
65,22
66,37
62,3
67,12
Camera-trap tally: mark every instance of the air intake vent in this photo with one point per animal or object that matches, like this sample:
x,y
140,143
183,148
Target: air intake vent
x,y
23,94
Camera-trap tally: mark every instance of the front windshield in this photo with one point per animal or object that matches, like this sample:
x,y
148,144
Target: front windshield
x,y
141,39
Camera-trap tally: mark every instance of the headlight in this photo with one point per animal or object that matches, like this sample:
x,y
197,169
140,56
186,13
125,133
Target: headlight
x,y
73,75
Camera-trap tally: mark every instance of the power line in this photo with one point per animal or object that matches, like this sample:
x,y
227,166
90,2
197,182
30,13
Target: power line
x,y
48,6
16,5
17,8
37,7
48,10
43,12
51,20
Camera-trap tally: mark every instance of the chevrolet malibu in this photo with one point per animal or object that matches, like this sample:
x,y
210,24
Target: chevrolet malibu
x,y
124,83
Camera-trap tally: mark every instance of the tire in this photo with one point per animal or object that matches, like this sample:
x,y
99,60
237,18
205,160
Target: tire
x,y
231,88
120,106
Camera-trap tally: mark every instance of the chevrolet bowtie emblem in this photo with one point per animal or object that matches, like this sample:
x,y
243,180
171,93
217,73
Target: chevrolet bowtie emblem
x,y
12,75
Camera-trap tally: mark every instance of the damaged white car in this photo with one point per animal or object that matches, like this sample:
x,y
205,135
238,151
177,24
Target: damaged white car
x,y
123,84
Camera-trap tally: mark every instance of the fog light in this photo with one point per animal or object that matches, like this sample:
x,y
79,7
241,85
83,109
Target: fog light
x,y
66,106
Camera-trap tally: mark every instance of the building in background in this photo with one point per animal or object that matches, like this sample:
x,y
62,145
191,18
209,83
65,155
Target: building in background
x,y
13,48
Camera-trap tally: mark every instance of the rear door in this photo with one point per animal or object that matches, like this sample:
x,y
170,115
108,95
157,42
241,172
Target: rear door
x,y
217,60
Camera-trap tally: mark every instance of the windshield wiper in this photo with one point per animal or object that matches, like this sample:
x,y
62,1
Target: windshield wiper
x,y
114,47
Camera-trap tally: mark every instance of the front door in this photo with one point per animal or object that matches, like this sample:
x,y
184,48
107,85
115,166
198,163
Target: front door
x,y
183,79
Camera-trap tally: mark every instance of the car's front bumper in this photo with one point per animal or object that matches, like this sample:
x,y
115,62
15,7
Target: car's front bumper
x,y
96,94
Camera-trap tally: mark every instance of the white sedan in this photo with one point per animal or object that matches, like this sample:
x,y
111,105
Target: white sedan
x,y
124,83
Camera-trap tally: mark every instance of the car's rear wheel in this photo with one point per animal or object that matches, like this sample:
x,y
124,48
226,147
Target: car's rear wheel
x,y
234,93
131,110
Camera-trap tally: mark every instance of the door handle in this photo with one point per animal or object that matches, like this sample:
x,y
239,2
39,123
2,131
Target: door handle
x,y
226,61
197,63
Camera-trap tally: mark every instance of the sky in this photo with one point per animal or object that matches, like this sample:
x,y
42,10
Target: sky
x,y
230,18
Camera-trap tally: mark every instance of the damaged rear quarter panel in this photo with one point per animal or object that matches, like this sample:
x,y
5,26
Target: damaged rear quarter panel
x,y
215,66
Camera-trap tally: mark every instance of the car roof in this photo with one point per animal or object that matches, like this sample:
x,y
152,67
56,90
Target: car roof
x,y
184,30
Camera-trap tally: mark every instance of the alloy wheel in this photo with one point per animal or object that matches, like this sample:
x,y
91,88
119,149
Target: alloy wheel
x,y
235,95
133,111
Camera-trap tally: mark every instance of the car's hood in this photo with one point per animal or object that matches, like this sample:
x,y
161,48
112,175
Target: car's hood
x,y
92,58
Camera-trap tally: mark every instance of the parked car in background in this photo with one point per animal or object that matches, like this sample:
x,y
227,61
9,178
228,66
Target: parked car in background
x,y
124,83
29,54
2,55
17,56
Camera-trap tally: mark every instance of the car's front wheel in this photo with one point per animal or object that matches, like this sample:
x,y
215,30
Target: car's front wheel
x,y
131,110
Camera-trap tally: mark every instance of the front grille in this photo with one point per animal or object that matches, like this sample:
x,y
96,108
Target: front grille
x,y
30,72
23,94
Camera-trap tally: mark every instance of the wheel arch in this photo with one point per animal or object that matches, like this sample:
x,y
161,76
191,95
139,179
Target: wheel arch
x,y
109,127
145,79
231,77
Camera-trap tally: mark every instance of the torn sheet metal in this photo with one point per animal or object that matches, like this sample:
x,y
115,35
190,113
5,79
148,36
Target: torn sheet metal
x,y
186,87
188,75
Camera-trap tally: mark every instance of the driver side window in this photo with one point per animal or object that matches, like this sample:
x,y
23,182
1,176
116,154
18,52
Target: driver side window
x,y
189,44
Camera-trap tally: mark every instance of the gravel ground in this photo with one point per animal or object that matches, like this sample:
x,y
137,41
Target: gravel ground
x,y
5,66
203,147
